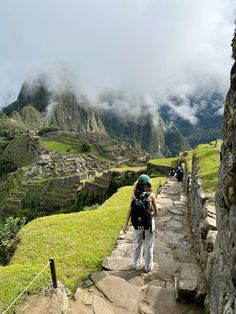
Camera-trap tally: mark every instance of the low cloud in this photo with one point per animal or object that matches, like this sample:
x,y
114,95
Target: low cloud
x,y
147,49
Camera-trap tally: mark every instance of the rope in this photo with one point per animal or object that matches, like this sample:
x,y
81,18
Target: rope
x,y
26,288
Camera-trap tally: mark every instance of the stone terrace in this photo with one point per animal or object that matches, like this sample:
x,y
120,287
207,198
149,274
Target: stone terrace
x,y
119,289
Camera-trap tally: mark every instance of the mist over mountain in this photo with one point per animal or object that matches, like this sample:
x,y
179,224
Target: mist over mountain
x,y
142,47
200,120
159,126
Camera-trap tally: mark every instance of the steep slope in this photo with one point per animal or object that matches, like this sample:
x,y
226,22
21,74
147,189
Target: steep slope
x,y
62,108
31,118
206,110
140,126
36,94
69,114
10,126
140,132
175,140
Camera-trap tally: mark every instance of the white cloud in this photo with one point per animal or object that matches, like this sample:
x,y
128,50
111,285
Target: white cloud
x,y
144,47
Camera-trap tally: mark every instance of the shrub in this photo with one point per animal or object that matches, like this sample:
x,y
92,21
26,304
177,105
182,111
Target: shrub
x,y
8,231
47,130
7,166
85,148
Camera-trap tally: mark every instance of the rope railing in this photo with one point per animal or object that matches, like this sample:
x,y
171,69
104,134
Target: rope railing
x,y
54,280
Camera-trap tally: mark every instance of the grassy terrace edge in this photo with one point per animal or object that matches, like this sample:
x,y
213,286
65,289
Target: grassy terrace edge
x,y
78,242
208,160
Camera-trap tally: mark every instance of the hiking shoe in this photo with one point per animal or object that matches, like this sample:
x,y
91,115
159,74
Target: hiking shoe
x,y
148,270
136,267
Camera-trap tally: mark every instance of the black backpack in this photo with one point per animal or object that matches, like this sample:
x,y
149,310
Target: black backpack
x,y
141,212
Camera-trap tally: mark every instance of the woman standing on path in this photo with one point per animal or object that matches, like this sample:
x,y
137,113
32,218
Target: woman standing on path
x,y
142,195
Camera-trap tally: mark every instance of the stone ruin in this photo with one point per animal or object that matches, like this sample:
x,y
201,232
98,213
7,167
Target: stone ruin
x,y
118,152
56,164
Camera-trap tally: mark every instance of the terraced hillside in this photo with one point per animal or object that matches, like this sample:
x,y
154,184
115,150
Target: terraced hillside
x,y
66,238
22,150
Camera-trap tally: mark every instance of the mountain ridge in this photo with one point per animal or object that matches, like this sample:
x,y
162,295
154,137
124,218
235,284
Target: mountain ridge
x,y
165,136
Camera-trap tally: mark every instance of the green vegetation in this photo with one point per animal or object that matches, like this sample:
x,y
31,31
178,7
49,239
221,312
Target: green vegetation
x,y
158,182
127,168
11,183
187,160
85,148
47,130
208,158
60,147
66,144
78,242
8,230
168,162
6,166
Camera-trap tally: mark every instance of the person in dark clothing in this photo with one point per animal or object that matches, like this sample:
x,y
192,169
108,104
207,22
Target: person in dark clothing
x,y
179,174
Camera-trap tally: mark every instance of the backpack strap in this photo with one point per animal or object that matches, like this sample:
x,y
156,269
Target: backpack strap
x,y
147,194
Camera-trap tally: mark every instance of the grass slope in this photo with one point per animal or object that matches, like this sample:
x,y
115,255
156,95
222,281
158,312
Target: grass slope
x,y
57,146
65,144
169,162
208,159
78,242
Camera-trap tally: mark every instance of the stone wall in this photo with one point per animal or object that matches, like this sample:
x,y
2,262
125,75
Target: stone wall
x,y
203,222
222,270
215,227
158,168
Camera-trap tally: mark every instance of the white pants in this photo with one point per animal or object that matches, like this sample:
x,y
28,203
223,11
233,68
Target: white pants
x,y
137,248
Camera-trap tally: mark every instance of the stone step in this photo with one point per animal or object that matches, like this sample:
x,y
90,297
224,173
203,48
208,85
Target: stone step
x,y
190,284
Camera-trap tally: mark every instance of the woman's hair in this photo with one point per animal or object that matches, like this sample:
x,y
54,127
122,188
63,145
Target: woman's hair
x,y
139,188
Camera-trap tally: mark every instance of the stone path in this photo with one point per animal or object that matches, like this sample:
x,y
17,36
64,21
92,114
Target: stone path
x,y
121,290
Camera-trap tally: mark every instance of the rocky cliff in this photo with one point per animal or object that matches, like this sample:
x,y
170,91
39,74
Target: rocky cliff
x,y
62,108
159,134
67,113
141,132
214,226
222,263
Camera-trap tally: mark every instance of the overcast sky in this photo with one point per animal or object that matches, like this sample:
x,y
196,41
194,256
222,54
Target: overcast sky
x,y
146,47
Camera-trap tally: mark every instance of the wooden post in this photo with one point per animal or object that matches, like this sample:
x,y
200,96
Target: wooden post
x,y
215,143
53,273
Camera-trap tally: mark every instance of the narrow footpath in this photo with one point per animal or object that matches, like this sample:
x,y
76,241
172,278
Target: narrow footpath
x,y
119,289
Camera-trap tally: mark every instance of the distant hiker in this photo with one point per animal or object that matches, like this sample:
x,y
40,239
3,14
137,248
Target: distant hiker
x,y
172,172
142,211
179,174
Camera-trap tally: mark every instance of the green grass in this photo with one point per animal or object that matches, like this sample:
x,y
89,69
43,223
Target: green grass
x,y
208,158
187,160
57,146
127,168
78,242
157,182
169,162
65,144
